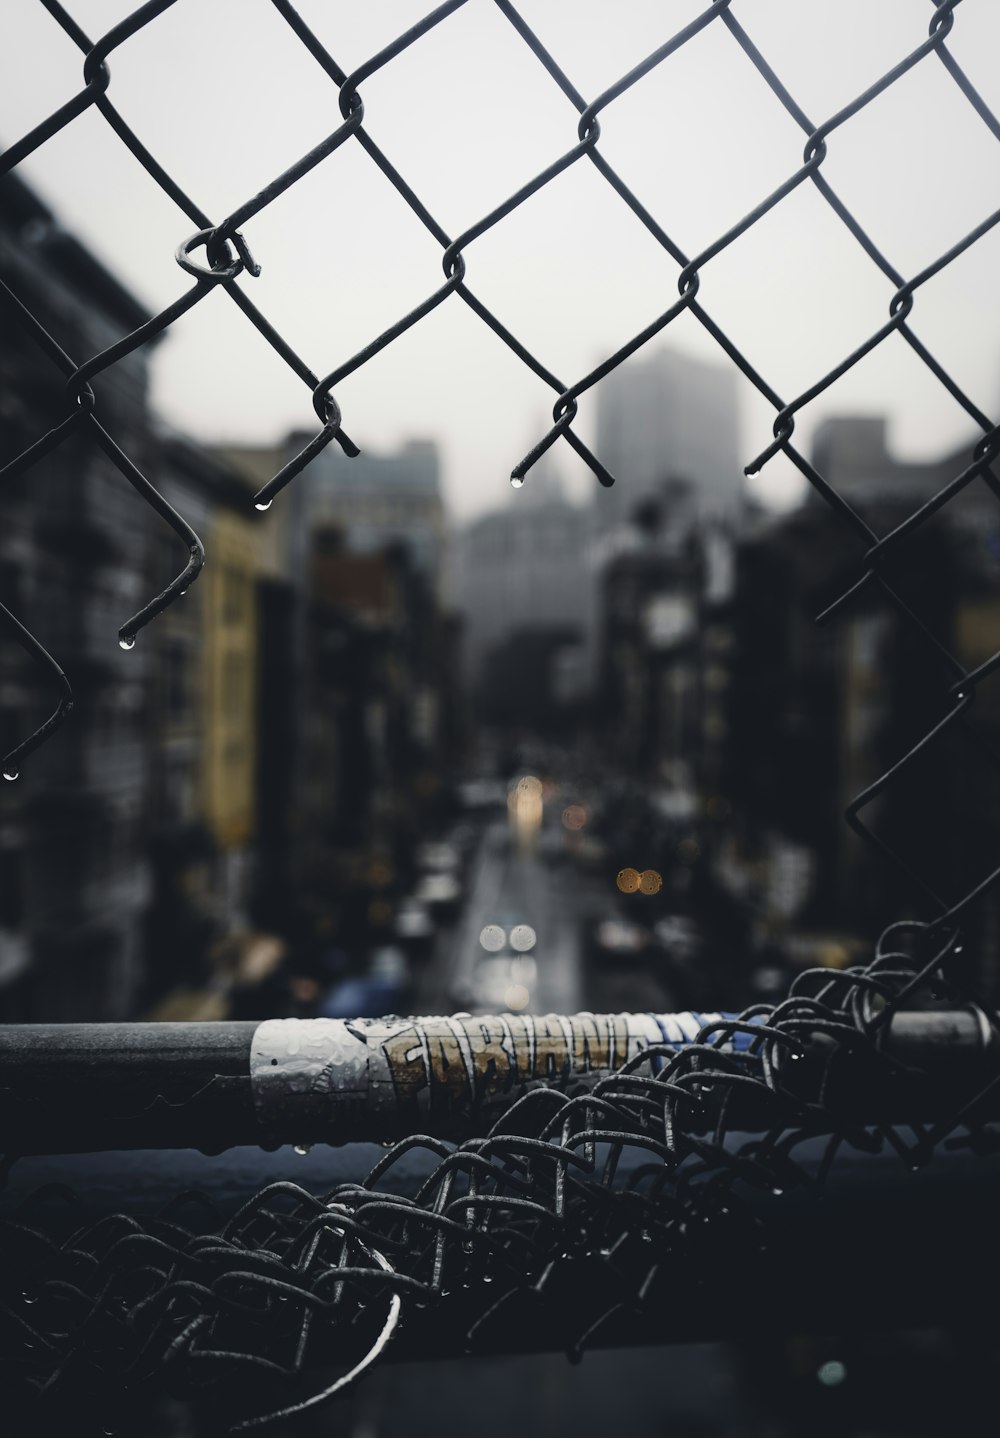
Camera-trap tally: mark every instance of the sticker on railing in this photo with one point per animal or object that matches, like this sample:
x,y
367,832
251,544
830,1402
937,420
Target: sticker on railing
x,y
404,1069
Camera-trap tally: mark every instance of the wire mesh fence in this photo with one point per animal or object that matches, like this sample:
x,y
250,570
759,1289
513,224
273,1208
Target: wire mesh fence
x,y
217,255
296,1278
578,1218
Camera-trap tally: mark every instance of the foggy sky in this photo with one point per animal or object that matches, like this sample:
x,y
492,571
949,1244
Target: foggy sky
x,y
226,97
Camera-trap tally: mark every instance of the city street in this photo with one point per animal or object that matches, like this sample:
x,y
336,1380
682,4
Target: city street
x,y
685,1390
510,883
509,886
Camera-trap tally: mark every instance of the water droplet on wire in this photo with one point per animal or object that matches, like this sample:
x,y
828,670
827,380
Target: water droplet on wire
x,y
262,504
516,481
10,775
127,641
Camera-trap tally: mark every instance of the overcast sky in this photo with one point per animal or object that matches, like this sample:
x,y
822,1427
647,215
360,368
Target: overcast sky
x,y
226,97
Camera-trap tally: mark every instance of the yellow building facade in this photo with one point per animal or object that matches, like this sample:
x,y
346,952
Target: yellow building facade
x,y
230,679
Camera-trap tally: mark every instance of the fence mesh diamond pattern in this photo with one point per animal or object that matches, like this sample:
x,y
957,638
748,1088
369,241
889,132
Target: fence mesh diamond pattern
x,y
297,1282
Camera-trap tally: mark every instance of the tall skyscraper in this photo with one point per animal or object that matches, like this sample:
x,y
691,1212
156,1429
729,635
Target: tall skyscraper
x,y
663,417
524,567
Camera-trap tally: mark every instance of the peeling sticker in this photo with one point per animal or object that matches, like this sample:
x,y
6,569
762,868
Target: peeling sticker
x,y
379,1078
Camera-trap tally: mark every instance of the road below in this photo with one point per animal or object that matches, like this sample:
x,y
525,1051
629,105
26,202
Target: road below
x,y
511,882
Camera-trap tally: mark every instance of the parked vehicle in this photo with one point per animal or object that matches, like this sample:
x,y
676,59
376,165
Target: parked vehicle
x,y
384,989
614,939
413,923
439,891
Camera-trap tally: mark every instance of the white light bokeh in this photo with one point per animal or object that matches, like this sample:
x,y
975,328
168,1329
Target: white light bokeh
x,y
523,938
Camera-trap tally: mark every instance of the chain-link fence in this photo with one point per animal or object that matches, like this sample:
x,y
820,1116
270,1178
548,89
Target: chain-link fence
x,y
227,258
296,1281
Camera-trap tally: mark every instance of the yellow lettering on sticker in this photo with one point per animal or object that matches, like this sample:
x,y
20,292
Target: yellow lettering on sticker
x,y
518,1025
405,1056
551,1053
490,1060
591,1041
450,1079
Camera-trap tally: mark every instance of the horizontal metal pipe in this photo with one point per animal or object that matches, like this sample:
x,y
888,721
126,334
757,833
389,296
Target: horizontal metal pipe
x,y
85,1087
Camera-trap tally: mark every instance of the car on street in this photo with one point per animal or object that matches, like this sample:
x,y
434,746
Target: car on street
x,y
383,989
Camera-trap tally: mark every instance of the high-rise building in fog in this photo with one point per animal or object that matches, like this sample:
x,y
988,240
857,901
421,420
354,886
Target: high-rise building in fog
x,y
524,567
663,417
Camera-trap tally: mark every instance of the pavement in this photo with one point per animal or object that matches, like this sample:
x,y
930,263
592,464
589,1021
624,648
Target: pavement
x,y
509,883
685,1392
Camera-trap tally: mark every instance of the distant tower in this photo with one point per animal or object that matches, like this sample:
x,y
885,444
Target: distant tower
x,y
664,417
524,567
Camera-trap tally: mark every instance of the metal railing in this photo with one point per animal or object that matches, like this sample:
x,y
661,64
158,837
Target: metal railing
x,y
558,1225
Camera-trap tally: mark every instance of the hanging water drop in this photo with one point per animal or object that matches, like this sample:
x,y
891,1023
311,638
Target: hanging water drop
x,y
127,641
303,1148
516,481
262,504
10,775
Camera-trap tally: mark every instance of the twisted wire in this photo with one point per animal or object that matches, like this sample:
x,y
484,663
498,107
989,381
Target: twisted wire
x,y
228,260
251,1316
297,1284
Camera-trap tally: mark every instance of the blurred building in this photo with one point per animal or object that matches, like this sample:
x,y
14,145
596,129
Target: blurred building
x,y
74,563
819,713
665,651
667,416
376,500
359,716
376,737
525,569
851,452
281,578
128,841
204,727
